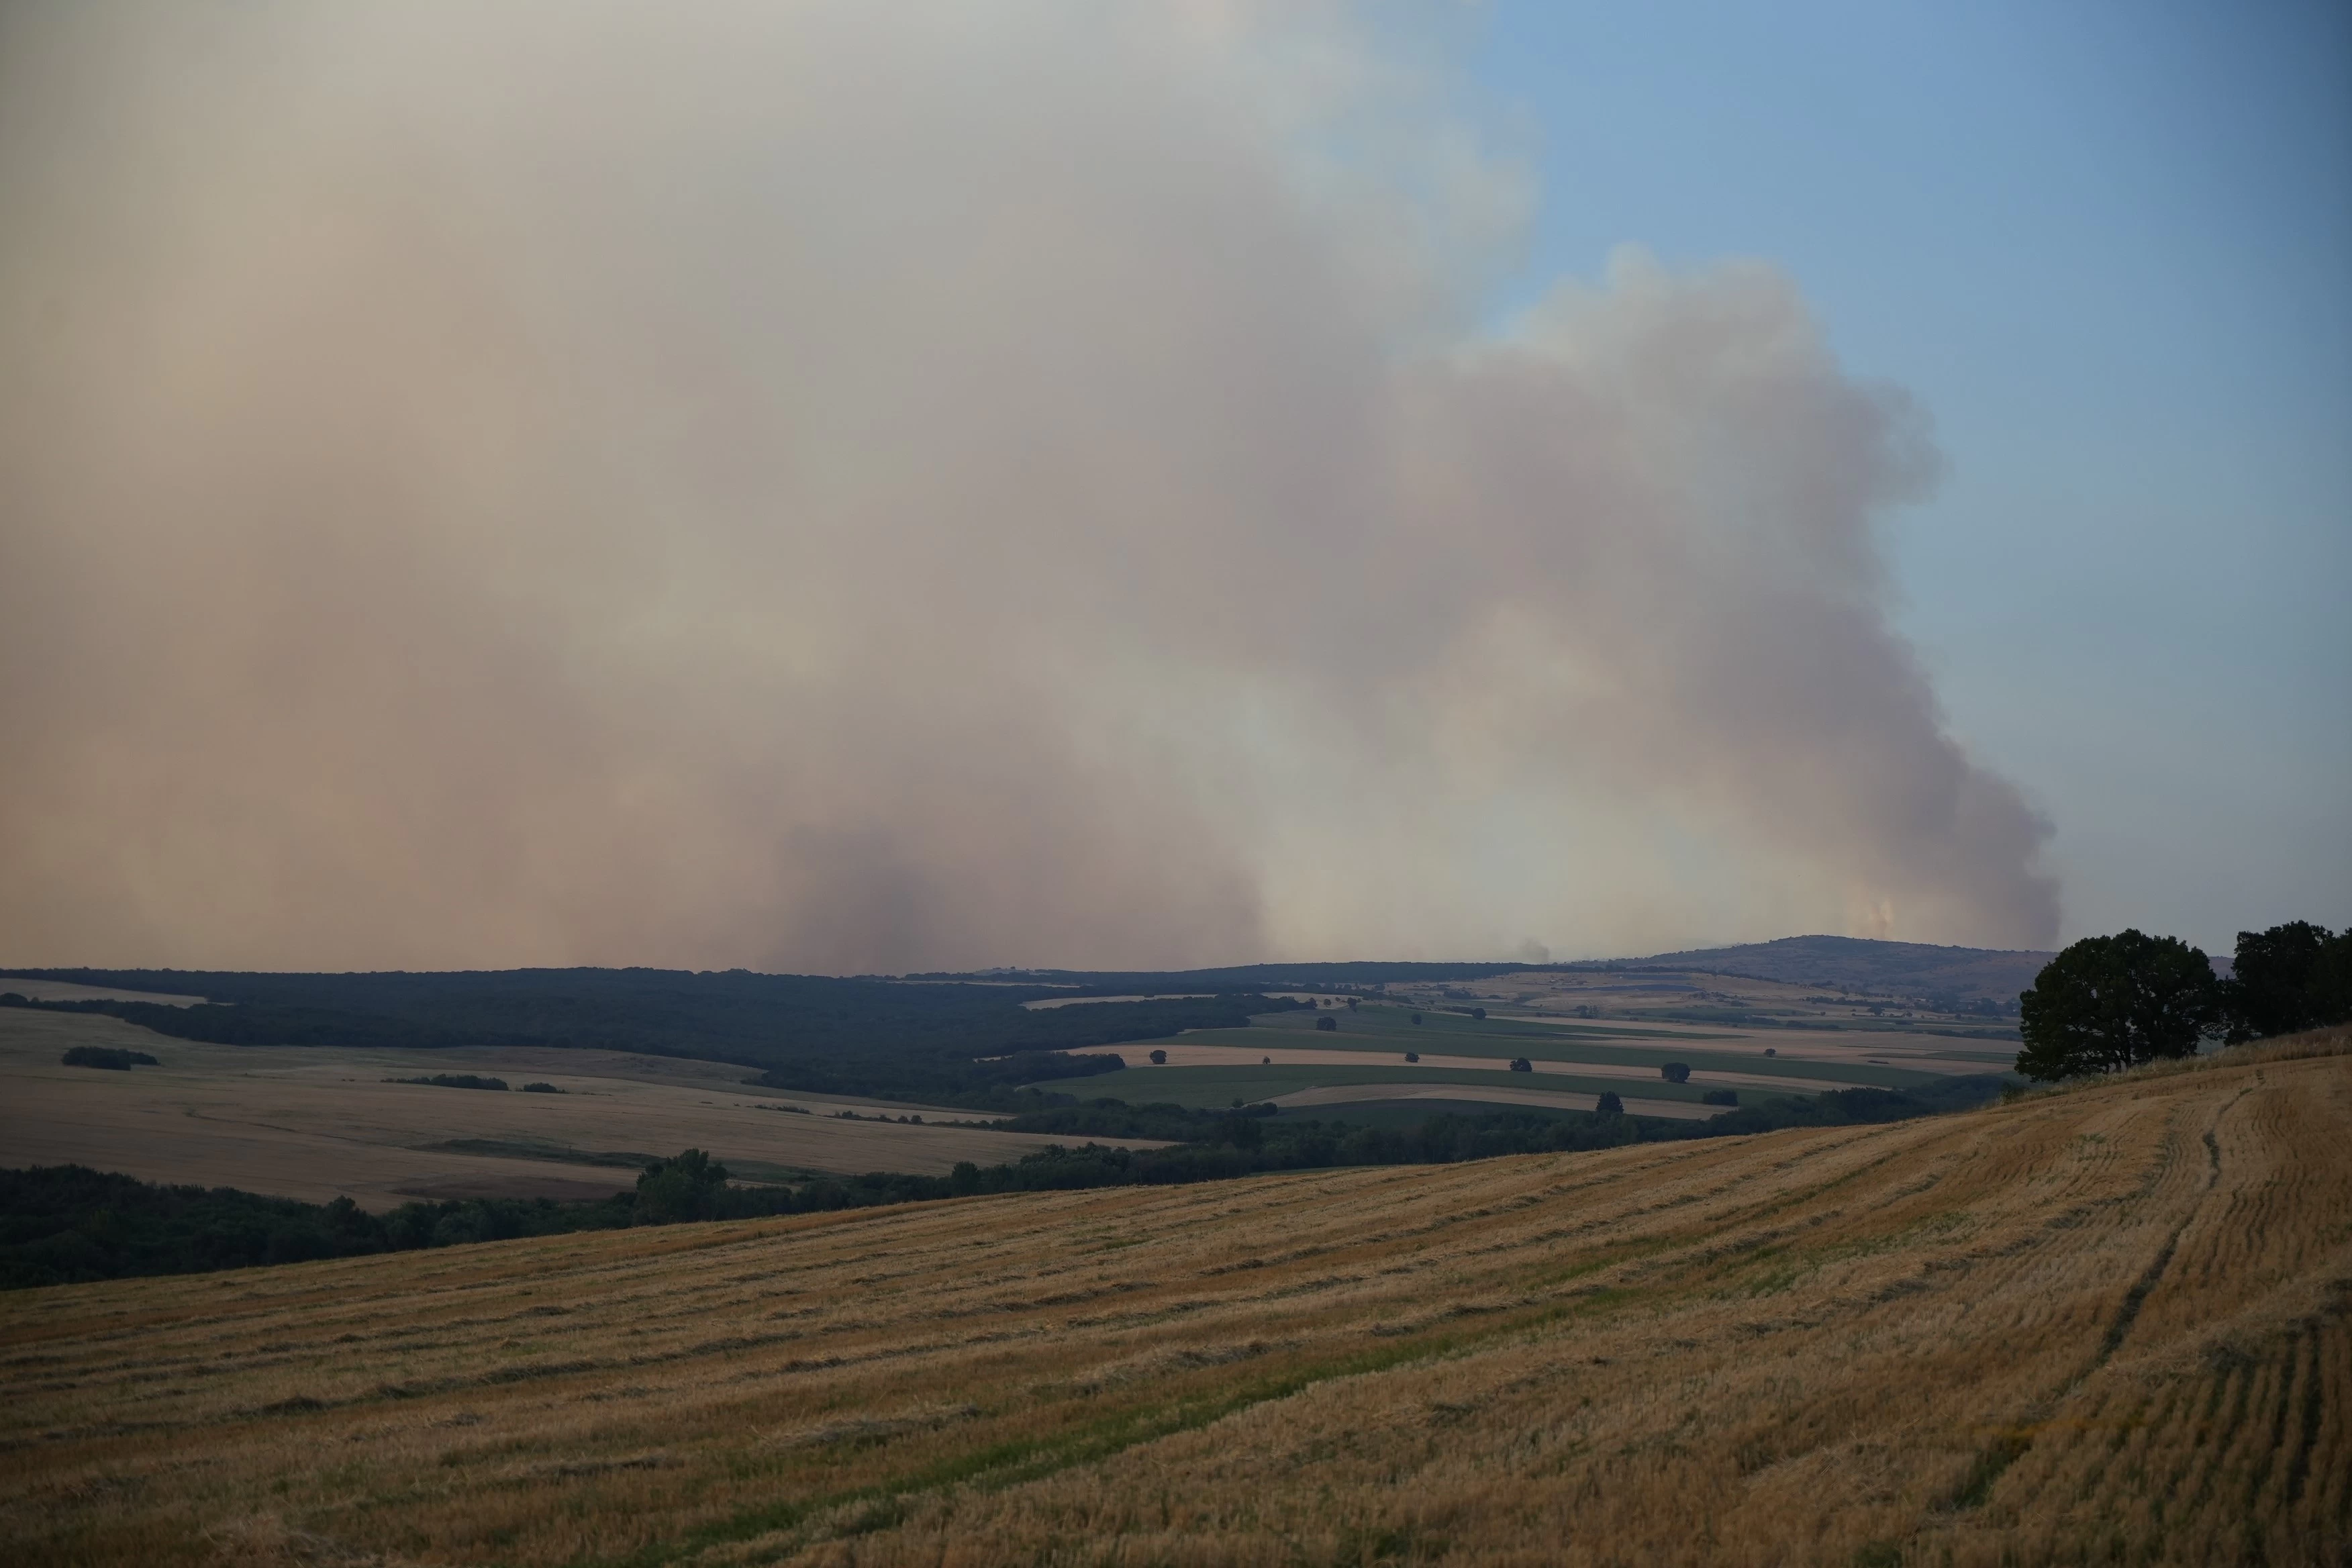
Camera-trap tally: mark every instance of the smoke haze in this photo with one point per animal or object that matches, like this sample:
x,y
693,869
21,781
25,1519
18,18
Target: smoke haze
x,y
855,488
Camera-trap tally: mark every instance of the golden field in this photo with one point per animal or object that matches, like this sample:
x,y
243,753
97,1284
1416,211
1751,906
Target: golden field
x,y
317,1123
2103,1325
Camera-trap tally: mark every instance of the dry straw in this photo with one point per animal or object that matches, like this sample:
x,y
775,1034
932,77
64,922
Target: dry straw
x,y
2105,1324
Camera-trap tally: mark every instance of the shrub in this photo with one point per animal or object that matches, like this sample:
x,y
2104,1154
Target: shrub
x,y
1521,1063
1609,1104
1771,1050
686,1187
1720,1097
1329,1024
1416,1018
1477,1011
1159,1059
540,1089
1413,1056
1675,1072
108,1056
454,1081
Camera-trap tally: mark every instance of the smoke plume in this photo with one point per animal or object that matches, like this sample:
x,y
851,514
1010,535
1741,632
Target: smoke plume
x,y
865,488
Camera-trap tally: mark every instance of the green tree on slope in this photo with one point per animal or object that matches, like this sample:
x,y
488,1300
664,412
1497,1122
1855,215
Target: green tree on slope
x,y
2112,1002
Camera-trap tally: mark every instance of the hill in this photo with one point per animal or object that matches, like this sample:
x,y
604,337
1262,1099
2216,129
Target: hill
x,y
1854,964
2113,1321
1845,962
1904,969
966,1044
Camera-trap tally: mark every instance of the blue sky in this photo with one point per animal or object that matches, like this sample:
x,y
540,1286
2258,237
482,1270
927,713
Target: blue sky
x,y
2109,248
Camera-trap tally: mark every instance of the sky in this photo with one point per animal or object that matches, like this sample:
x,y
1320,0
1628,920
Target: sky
x,y
865,489
2107,246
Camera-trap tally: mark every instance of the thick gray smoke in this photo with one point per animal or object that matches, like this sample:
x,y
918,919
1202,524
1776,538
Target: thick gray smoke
x,y
854,486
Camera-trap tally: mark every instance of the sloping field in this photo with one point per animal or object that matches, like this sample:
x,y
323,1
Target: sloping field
x,y
1198,1078
1182,1052
1283,1057
2110,1325
316,1123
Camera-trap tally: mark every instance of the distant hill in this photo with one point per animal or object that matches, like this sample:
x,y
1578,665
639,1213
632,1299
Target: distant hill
x,y
1892,968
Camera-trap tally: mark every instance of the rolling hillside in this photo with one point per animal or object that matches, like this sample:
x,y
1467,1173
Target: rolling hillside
x,y
1895,968
2111,1323
318,1124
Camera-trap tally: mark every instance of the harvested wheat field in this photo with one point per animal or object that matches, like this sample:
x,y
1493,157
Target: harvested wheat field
x,y
2105,1325
320,1123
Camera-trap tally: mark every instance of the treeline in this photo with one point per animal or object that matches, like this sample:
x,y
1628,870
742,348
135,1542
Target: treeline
x,y
965,1045
2108,1003
108,1057
67,1224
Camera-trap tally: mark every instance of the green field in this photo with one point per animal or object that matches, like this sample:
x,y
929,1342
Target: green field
x,y
1389,1028
1209,1086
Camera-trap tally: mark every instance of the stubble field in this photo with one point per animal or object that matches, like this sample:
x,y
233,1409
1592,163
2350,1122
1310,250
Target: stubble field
x,y
316,1123
2112,1324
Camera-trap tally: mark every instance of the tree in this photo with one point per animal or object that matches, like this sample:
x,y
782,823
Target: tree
x,y
1477,1011
1413,1056
2112,1002
1609,1105
686,1187
1675,1072
1159,1059
1331,1023
1521,1063
2292,976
